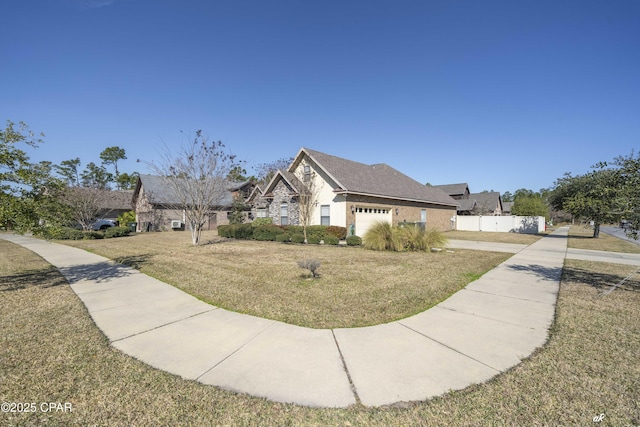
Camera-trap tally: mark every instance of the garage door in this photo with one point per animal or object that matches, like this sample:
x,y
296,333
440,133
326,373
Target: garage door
x,y
366,217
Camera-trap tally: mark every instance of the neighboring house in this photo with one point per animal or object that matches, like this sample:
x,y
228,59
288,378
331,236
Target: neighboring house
x,y
486,203
158,208
467,207
351,194
97,204
456,191
506,208
114,203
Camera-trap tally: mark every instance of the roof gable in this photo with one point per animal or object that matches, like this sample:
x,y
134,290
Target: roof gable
x,y
288,177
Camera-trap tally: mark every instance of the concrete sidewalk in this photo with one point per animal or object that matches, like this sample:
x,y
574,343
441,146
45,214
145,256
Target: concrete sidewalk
x,y
482,330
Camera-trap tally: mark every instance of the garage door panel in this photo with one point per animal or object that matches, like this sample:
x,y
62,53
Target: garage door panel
x,y
366,217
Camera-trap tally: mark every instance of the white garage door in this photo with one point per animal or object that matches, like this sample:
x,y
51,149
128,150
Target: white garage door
x,y
366,217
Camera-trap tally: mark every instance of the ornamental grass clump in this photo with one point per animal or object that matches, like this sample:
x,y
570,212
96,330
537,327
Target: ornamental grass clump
x,y
381,236
384,237
418,239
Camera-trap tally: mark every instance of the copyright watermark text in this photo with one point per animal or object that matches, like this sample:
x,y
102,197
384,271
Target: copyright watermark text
x,y
47,407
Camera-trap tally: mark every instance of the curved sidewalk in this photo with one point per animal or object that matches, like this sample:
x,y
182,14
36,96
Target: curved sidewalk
x,y
482,330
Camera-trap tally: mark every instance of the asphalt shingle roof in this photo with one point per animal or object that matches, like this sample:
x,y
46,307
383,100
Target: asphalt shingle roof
x,y
453,189
158,191
377,180
488,200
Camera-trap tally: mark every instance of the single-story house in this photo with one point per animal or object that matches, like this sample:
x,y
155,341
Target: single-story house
x,y
117,202
485,203
351,194
158,208
488,203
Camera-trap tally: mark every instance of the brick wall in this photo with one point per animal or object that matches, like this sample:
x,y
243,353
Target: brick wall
x,y
438,217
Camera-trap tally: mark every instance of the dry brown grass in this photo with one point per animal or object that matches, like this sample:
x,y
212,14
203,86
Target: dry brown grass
x,y
581,237
485,236
52,352
356,287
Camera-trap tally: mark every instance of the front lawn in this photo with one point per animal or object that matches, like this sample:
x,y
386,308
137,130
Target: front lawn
x,y
581,237
356,287
51,351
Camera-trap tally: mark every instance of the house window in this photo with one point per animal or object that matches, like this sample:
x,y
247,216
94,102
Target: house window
x,y
261,213
307,173
284,214
324,215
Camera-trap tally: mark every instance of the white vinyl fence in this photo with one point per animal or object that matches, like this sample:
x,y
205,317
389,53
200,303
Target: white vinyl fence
x,y
501,224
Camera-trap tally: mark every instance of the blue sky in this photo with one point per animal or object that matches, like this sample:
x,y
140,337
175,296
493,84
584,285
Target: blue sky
x,y
500,94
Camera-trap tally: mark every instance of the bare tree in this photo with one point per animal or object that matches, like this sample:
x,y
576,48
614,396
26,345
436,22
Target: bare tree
x,y
86,204
266,171
307,197
196,175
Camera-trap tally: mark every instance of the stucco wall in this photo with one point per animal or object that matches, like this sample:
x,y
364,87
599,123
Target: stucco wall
x,y
325,195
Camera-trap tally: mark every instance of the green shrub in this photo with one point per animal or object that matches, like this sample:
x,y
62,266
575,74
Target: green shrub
x,y
313,239
62,233
354,241
224,230
261,221
382,237
316,231
267,232
126,218
283,238
336,231
93,235
297,238
68,233
242,231
116,232
331,240
292,229
236,231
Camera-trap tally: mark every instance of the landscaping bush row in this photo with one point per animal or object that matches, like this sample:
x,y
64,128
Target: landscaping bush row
x,y
68,233
331,235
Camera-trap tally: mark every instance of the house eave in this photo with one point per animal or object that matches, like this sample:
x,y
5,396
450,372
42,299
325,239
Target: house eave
x,y
380,196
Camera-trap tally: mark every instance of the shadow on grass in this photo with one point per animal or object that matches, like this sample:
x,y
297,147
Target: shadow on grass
x,y
601,281
44,278
136,261
49,277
